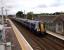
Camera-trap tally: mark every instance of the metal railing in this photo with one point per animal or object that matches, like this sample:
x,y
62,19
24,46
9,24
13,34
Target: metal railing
x,y
50,27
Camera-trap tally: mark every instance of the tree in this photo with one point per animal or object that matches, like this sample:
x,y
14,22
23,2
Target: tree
x,y
30,15
20,14
58,13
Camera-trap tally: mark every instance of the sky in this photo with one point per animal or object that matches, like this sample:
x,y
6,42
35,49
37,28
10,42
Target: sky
x,y
35,6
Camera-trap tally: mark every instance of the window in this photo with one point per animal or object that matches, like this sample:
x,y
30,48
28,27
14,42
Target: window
x,y
0,34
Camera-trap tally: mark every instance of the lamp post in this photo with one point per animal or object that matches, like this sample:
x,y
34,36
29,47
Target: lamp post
x,y
2,15
2,7
6,14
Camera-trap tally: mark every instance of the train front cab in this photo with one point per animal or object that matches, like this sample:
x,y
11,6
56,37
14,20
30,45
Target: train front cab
x,y
41,28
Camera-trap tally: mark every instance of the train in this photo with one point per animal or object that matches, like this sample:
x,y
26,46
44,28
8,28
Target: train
x,y
33,25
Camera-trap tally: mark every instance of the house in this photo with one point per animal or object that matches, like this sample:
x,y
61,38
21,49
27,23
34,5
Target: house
x,y
54,23
59,21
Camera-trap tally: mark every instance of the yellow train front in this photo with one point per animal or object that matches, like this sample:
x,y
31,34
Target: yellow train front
x,y
41,28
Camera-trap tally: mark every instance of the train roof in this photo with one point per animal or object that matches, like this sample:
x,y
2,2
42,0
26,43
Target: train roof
x,y
33,21
22,19
27,20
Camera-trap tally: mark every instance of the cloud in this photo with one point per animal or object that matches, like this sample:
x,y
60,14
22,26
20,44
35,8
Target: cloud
x,y
37,6
57,3
42,6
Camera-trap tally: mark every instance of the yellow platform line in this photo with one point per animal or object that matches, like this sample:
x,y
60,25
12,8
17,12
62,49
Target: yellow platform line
x,y
23,43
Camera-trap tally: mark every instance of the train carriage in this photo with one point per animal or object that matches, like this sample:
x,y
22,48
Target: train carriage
x,y
35,26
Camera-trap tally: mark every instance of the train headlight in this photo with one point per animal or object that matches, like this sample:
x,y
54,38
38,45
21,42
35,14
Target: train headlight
x,y
38,29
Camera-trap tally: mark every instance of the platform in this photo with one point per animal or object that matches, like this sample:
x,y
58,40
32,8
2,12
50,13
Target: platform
x,y
2,47
23,43
55,34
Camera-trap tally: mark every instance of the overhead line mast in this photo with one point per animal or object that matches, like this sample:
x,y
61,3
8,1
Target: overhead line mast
x,y
2,7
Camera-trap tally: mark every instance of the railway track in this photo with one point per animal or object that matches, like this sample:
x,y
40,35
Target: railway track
x,y
47,42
